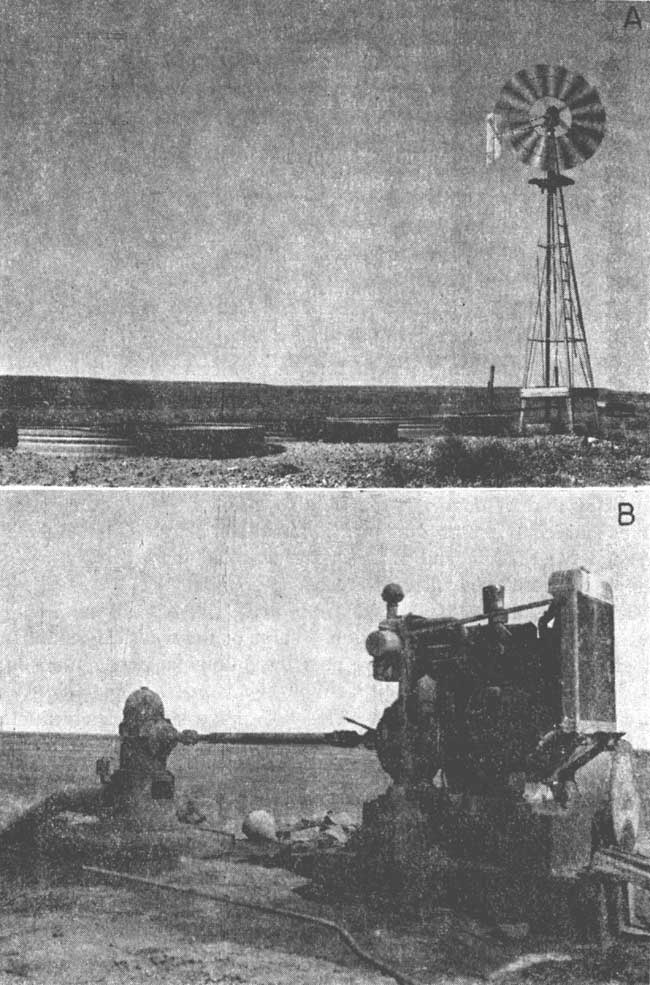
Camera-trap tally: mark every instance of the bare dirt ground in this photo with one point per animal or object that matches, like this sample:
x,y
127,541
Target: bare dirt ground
x,y
72,932
449,461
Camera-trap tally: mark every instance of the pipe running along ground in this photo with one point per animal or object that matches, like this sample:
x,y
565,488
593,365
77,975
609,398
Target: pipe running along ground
x,y
345,936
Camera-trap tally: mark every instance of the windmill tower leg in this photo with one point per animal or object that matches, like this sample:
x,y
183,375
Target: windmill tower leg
x,y
549,281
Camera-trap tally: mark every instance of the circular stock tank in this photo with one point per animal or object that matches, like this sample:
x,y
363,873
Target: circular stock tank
x,y
174,441
76,442
200,440
360,429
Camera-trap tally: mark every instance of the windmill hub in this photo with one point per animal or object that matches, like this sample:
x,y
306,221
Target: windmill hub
x,y
548,113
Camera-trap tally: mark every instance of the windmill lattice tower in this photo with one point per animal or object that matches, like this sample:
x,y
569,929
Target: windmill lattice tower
x,y
554,120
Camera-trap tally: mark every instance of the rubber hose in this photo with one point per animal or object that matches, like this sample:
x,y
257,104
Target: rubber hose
x,y
393,973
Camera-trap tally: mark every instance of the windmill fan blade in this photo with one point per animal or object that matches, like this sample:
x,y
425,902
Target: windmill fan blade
x,y
518,125
556,80
562,82
531,148
512,98
589,115
518,95
519,135
567,154
526,147
544,77
577,89
530,83
582,142
520,122
525,104
592,132
586,101
543,156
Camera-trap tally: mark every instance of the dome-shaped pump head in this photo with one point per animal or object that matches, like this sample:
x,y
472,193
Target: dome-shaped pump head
x,y
142,706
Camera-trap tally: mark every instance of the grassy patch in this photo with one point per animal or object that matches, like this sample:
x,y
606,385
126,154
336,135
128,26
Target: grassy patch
x,y
495,462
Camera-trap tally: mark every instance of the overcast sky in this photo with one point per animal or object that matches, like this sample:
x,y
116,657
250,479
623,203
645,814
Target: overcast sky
x,y
295,191
249,610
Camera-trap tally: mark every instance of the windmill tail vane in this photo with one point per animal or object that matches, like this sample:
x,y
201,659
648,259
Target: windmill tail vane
x,y
553,120
494,137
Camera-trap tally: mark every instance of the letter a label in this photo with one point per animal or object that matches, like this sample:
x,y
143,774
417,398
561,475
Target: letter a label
x,y
632,18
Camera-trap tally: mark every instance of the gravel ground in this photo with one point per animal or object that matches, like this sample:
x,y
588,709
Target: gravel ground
x,y
125,935
556,461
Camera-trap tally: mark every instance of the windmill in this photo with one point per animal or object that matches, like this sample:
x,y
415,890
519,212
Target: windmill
x,y
553,120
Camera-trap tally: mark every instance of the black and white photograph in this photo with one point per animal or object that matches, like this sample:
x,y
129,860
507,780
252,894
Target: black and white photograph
x,y
324,445
382,243
345,737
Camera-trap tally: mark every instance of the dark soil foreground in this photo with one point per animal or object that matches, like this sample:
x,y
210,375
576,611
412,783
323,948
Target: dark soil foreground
x,y
67,933
433,462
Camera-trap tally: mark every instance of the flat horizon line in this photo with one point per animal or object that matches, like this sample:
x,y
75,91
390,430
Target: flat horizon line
x,y
258,383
